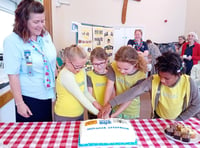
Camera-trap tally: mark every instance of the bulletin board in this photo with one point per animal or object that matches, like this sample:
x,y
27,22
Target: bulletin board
x,y
90,36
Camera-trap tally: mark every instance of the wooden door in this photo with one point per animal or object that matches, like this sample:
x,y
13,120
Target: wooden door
x,y
48,15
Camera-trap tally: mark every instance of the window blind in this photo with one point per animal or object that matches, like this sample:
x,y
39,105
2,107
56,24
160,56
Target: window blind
x,y
8,5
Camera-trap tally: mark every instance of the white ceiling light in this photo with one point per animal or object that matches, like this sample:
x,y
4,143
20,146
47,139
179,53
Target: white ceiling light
x,y
62,2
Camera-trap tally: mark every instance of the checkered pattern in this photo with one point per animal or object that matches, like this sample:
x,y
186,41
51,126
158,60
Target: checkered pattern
x,y
41,134
150,133
65,134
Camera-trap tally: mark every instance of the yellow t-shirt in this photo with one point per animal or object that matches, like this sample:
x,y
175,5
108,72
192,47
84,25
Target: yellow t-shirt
x,y
171,99
66,104
123,83
99,86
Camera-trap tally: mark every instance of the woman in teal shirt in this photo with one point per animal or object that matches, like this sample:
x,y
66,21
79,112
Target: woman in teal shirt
x,y
30,62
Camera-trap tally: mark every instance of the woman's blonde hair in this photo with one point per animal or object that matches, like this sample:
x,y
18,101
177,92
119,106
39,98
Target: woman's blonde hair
x,y
129,54
73,51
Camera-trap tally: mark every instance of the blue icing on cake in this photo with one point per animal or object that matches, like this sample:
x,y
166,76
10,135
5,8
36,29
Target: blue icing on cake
x,y
104,122
107,144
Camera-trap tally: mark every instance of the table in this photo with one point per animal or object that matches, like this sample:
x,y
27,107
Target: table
x,y
65,134
150,133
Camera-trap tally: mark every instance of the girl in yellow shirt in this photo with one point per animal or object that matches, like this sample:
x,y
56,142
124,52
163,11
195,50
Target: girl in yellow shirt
x,y
96,78
125,71
71,87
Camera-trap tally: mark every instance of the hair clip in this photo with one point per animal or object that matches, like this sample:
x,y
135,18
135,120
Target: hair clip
x,y
179,70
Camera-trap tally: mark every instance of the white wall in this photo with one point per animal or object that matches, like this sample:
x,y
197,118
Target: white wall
x,y
192,17
7,112
148,13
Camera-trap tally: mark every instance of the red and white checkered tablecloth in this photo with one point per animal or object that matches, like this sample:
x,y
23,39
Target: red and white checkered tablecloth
x,y
150,133
65,134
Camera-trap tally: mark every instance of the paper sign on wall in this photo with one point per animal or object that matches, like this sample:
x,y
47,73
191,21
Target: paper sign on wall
x,y
98,37
85,41
108,41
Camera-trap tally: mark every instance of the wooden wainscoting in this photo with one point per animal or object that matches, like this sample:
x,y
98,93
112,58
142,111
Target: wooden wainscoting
x,y
5,98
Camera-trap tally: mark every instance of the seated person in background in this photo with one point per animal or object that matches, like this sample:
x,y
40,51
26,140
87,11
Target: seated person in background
x,y
138,43
181,41
71,87
191,52
174,95
154,52
125,71
96,78
195,74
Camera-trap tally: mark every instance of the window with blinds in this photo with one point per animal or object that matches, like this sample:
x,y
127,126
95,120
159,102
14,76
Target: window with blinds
x,y
8,5
7,9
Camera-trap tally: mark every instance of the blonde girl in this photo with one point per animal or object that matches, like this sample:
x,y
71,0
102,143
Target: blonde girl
x,y
71,87
126,70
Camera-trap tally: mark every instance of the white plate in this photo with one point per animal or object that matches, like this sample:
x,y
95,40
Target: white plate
x,y
192,140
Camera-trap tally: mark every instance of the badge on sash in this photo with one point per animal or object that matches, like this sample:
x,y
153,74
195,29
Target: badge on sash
x,y
27,55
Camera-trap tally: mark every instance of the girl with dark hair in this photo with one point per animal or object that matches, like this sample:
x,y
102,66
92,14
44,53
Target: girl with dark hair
x,y
30,62
125,71
174,95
